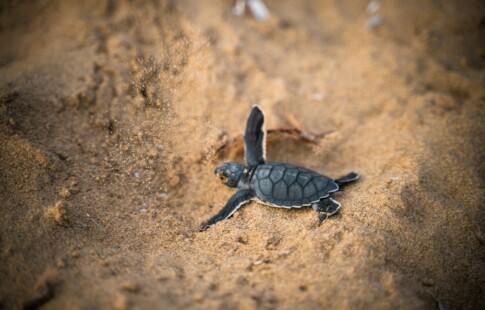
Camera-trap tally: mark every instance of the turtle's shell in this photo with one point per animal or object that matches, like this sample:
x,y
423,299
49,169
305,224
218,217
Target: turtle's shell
x,y
285,185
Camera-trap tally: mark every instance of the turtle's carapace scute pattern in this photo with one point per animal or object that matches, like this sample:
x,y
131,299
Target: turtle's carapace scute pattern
x,y
276,184
289,186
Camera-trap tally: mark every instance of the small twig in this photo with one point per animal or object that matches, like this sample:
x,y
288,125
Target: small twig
x,y
273,135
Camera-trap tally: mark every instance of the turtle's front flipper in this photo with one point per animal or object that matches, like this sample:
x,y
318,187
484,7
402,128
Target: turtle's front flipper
x,y
255,138
325,208
237,200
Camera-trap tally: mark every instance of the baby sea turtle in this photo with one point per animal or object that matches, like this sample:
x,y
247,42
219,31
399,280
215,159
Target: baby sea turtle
x,y
279,185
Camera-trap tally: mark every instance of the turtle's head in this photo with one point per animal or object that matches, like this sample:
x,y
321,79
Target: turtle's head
x,y
230,173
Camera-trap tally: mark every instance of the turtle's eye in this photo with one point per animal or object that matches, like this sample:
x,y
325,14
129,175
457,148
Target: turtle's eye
x,y
222,177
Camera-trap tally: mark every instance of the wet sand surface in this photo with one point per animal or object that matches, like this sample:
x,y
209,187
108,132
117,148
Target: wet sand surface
x,y
111,114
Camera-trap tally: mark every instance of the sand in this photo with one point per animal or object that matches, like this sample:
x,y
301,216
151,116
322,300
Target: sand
x,y
111,114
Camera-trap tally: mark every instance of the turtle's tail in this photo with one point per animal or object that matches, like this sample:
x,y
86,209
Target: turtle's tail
x,y
347,179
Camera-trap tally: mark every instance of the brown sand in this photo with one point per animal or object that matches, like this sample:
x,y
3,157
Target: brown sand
x,y
110,111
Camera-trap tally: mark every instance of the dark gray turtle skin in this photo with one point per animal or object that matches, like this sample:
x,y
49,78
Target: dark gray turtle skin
x,y
289,186
276,184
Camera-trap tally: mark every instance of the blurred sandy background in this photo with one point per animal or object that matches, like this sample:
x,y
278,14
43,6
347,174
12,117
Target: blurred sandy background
x,y
110,112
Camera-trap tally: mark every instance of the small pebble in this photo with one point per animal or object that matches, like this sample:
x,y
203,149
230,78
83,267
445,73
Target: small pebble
x,y
198,297
166,274
31,216
152,152
73,186
130,286
64,193
285,252
387,282
59,213
374,22
120,303
317,97
239,8
75,253
244,239
60,263
373,7
272,243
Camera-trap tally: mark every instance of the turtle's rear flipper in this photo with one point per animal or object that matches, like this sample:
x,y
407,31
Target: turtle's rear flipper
x,y
325,208
347,179
236,201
